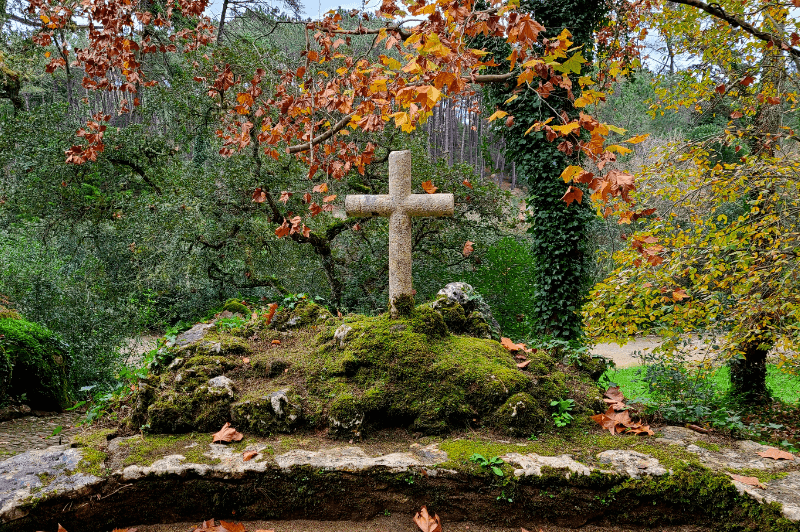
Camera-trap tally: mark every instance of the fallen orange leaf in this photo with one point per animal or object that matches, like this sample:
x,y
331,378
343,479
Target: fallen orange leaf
x,y
776,454
249,455
426,522
511,346
227,434
232,527
276,342
750,481
468,249
245,360
523,365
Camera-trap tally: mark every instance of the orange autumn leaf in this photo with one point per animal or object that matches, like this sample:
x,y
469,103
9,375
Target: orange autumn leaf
x,y
285,196
524,364
328,199
61,528
245,360
511,346
259,196
232,527
227,434
323,187
429,187
776,454
276,342
272,308
249,455
427,522
468,249
750,481
466,184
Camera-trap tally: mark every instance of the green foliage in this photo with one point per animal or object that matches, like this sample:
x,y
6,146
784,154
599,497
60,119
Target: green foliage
x,y
505,280
562,416
492,463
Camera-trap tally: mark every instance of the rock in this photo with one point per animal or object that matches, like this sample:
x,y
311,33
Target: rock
x,y
175,364
14,411
632,463
341,334
531,464
198,332
275,412
222,381
477,316
38,473
347,459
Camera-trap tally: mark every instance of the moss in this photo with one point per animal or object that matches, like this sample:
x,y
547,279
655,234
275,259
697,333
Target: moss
x,y
304,314
95,439
268,411
708,445
477,326
521,415
34,362
760,474
144,450
403,304
427,321
235,306
93,462
9,314
452,313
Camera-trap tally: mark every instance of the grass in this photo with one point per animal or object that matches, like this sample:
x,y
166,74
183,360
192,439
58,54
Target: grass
x,y
784,387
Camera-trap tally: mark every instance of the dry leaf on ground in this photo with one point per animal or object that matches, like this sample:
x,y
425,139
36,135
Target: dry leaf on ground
x,y
523,365
227,434
426,522
249,455
776,454
272,308
276,342
614,398
232,527
750,481
61,528
617,422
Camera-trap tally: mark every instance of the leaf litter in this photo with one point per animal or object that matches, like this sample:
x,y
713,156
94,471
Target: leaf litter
x,y
617,419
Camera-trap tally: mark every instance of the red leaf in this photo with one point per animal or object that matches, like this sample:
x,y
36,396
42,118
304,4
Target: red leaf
x,y
429,187
272,308
747,80
227,434
720,89
467,184
572,194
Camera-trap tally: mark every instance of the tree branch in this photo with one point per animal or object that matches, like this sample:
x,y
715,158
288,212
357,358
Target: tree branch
x,y
717,11
338,126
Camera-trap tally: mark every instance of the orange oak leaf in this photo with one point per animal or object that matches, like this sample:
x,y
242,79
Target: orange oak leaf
x,y
750,481
429,187
776,454
468,249
249,455
231,527
426,522
227,434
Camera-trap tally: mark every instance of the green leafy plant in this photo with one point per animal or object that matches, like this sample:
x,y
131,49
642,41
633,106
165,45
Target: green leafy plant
x,y
228,324
562,416
492,463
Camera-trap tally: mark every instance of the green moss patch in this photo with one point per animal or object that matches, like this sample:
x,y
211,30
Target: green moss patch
x,y
145,449
33,362
311,371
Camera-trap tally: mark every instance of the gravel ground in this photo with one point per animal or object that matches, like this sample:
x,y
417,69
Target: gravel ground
x,y
31,432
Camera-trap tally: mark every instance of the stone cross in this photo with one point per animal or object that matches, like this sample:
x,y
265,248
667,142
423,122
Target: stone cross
x,y
399,206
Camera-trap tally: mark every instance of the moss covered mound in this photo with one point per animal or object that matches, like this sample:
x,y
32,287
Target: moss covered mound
x,y
33,366
309,370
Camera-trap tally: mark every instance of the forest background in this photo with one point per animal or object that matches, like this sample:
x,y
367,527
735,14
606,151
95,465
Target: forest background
x,y
160,227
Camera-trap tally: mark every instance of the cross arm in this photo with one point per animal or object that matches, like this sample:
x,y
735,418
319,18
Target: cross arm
x,y
429,205
369,205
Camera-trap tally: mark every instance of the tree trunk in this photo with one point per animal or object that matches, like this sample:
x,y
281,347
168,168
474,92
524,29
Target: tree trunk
x,y
749,374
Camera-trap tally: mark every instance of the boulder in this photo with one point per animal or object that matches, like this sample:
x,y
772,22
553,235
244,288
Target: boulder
x,y
465,311
33,365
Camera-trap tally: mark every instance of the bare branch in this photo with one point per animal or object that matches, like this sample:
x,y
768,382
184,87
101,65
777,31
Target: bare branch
x,y
338,126
717,11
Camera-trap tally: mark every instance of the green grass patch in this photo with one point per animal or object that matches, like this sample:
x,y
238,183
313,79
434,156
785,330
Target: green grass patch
x,y
784,386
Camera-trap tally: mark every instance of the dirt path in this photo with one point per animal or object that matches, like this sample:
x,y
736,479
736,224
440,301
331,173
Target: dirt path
x,y
624,357
402,523
31,432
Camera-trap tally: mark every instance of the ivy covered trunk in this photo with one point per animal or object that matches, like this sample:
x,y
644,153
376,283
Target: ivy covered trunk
x,y
749,373
560,242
